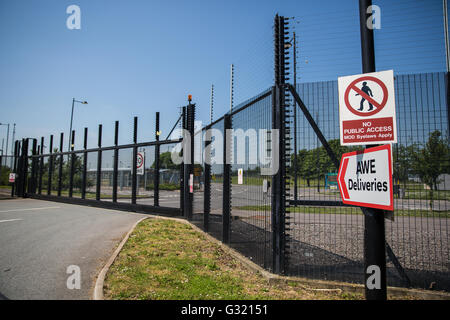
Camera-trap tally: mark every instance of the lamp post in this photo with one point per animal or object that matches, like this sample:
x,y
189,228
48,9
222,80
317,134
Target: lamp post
x,y
71,120
7,137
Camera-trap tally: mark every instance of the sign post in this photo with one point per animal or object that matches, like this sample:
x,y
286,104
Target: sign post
x,y
374,231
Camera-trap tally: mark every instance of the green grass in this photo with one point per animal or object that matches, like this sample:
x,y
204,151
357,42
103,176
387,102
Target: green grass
x,y
166,186
348,210
165,260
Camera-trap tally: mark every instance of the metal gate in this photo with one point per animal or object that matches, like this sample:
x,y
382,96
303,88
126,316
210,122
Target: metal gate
x,y
139,176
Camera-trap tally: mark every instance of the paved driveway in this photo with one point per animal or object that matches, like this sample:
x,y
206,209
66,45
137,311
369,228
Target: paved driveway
x,y
39,240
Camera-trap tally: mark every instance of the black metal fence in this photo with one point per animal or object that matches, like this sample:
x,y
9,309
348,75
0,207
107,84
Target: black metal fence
x,y
137,176
289,220
327,241
311,233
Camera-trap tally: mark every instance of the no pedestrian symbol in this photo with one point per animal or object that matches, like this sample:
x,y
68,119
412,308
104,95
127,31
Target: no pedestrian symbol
x,y
367,109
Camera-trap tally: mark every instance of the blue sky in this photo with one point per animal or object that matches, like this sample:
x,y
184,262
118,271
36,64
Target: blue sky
x,y
133,58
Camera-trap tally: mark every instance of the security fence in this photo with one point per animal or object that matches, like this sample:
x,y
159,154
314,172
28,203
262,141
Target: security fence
x,y
265,180
327,237
294,222
137,177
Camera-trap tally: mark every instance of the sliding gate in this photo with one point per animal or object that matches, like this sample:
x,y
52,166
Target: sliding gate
x,y
140,176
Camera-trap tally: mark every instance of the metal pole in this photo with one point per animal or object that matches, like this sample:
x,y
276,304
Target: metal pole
x,y
32,183
116,161
226,205
50,167
7,141
447,45
157,148
14,167
207,178
183,166
85,159
72,165
133,165
13,142
41,166
374,229
211,110
99,164
295,123
61,160
71,120
231,86
318,157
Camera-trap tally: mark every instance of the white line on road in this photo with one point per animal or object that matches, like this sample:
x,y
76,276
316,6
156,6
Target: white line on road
x,y
29,209
10,220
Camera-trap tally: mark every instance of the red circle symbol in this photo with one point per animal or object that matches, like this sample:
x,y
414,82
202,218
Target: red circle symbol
x,y
140,160
379,105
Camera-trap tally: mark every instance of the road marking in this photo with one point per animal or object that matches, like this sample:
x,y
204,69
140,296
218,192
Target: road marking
x,y
29,209
10,220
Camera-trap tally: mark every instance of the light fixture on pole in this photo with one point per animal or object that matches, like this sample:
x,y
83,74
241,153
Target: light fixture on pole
x,y
71,120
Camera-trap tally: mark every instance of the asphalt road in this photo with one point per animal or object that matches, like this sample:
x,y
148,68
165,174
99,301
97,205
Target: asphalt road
x,y
41,239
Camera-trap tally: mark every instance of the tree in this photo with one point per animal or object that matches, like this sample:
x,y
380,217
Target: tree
x,y
315,163
165,161
432,160
402,162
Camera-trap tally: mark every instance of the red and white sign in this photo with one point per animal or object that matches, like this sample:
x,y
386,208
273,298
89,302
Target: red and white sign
x,y
367,108
191,183
240,176
365,178
12,177
140,163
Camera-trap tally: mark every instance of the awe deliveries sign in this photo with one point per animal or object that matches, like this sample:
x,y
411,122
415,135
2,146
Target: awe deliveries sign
x,y
365,178
367,109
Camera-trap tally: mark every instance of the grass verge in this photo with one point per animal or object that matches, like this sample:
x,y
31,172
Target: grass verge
x,y
169,260
166,260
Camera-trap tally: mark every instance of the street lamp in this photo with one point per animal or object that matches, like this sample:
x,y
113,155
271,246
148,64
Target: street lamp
x,y
71,120
7,137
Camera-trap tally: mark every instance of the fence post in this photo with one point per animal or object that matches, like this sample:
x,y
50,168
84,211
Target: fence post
x,y
41,166
279,119
133,165
1,160
16,154
32,183
374,229
189,168
85,159
157,150
183,165
50,167
116,161
447,89
23,161
72,164
226,208
99,164
61,160
207,178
